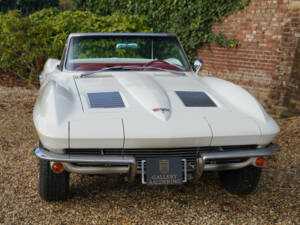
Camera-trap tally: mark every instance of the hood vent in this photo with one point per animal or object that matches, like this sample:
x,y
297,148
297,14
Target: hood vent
x,y
195,99
106,100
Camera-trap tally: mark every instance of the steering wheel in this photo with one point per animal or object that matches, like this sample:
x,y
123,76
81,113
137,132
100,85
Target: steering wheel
x,y
162,64
157,62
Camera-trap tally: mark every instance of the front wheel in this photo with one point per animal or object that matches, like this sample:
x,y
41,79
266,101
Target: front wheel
x,y
241,181
52,186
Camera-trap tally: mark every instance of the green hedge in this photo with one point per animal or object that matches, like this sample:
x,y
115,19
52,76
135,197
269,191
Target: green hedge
x,y
26,42
191,20
27,6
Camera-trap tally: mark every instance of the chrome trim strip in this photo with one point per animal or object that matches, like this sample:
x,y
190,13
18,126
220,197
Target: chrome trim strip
x,y
124,34
101,159
199,168
95,170
132,172
143,172
269,150
229,166
122,170
185,170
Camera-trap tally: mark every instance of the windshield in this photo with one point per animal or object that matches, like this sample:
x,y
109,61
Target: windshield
x,y
91,53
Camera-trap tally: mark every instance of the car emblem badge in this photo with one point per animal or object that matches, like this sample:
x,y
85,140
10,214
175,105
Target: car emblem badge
x,y
164,166
161,109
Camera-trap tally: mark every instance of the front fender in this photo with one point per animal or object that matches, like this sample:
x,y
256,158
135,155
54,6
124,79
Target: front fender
x,y
236,96
238,99
51,114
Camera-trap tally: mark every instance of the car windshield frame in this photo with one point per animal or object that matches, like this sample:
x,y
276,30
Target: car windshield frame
x,y
186,65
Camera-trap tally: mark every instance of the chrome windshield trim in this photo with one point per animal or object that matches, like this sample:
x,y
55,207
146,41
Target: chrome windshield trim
x,y
64,59
124,34
122,68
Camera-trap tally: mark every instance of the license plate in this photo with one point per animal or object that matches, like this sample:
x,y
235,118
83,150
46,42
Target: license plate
x,y
164,171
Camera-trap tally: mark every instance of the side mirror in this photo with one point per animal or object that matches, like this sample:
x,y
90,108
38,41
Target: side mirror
x,y
197,65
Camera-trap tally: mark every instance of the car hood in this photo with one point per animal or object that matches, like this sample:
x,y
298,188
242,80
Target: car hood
x,y
157,109
148,92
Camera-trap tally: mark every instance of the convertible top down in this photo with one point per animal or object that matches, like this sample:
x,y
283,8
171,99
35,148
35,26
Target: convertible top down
x,y
119,103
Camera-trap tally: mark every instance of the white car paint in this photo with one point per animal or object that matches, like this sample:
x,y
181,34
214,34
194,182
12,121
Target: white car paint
x,y
64,119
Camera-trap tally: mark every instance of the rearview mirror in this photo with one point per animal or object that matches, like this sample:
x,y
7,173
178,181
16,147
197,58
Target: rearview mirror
x,y
197,65
126,45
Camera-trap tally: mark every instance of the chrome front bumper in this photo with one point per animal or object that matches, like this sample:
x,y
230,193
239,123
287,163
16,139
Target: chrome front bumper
x,y
126,164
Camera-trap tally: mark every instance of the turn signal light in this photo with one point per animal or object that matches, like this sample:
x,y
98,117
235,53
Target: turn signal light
x,y
261,161
57,167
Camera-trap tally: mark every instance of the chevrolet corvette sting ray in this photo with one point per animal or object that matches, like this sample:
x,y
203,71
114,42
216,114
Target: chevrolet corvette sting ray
x,y
131,104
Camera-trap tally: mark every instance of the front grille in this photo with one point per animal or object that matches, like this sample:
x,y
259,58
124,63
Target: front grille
x,y
190,154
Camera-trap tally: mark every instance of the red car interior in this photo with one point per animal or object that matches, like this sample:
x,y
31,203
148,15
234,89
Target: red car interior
x,y
99,66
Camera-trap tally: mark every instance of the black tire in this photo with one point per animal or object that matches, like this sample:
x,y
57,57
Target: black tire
x,y
242,181
52,186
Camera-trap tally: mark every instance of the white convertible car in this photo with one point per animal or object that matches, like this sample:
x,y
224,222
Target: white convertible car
x,y
130,103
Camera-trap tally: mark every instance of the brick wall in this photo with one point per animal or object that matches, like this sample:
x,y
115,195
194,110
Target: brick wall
x,y
266,61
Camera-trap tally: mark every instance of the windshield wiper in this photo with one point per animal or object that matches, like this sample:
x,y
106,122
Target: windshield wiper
x,y
101,70
128,68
